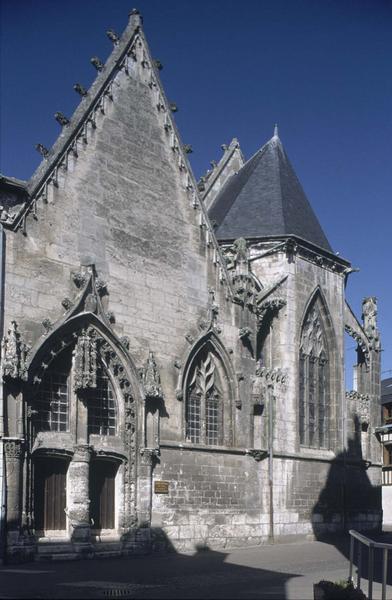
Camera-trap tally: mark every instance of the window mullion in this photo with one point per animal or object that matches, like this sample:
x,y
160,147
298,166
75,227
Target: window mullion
x,y
203,419
306,400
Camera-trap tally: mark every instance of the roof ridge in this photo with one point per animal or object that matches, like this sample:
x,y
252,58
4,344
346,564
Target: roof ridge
x,y
259,152
131,44
211,177
82,112
276,142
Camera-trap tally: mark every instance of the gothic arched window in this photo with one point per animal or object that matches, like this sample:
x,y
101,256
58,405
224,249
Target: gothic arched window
x,y
204,401
53,397
313,380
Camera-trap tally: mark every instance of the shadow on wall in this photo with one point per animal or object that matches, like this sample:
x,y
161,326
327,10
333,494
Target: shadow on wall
x,y
348,499
206,574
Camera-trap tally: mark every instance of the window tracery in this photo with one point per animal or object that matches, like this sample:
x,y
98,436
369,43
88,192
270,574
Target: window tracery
x,y
313,381
204,407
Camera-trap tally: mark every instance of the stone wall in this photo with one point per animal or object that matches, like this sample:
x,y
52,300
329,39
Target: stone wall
x,y
124,204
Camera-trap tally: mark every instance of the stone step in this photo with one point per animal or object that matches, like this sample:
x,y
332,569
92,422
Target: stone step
x,y
56,556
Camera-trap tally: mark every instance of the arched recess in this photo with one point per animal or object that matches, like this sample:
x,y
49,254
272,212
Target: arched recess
x,y
209,393
96,355
318,375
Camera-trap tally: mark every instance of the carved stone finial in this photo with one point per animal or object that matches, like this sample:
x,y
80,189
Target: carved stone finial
x,y
66,303
157,64
4,214
188,149
111,317
276,132
244,332
112,35
80,89
369,316
125,341
101,285
79,278
42,150
173,107
47,325
151,378
224,147
240,249
13,354
61,119
98,64
291,247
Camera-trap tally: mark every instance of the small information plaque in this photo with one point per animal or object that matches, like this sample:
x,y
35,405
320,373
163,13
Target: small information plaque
x,y
161,487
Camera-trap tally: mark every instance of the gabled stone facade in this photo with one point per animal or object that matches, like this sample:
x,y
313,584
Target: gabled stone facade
x,y
151,375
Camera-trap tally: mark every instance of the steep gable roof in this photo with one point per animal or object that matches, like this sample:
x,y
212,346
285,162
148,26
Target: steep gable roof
x,y
130,55
266,199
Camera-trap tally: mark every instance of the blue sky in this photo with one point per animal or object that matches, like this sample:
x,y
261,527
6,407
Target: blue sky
x,y
321,69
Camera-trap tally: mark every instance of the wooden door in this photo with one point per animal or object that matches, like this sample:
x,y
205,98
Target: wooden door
x,y
50,494
102,488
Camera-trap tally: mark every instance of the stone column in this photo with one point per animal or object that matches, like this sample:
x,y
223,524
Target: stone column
x,y
13,459
78,510
13,453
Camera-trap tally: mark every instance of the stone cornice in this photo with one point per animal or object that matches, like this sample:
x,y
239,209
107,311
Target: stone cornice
x,y
296,246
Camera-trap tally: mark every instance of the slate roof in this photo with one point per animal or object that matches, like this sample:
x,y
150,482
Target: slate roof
x,y
386,390
265,199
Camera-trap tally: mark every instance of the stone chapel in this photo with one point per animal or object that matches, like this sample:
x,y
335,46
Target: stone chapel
x,y
172,359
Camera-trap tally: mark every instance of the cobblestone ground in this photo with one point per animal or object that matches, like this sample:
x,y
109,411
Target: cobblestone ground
x,y
284,571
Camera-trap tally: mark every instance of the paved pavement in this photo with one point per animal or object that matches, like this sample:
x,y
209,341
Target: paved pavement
x,y
280,572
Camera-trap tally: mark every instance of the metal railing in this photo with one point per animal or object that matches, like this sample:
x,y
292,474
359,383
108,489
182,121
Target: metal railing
x,y
372,545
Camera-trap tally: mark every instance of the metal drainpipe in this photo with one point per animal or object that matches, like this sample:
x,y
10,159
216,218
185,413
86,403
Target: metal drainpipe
x,y
344,437
2,460
270,461
271,446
